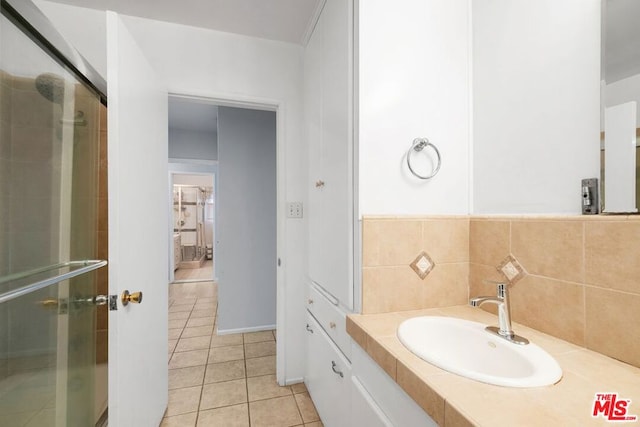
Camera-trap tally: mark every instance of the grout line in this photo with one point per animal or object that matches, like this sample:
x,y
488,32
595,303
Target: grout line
x,y
246,378
204,374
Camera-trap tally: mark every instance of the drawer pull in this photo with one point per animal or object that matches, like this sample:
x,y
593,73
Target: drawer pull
x,y
332,325
333,368
309,328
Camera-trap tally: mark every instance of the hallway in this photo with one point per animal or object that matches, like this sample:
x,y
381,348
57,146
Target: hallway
x,y
203,273
226,380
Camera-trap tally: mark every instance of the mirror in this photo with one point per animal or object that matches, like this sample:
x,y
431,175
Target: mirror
x,y
620,85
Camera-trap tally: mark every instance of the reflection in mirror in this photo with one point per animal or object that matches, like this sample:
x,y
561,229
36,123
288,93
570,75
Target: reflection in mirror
x,y
620,160
620,85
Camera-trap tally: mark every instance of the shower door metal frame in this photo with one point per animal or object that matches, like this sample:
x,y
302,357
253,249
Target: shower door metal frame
x,y
26,15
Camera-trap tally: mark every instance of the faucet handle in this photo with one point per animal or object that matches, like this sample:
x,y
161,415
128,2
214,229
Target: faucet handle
x,y
501,286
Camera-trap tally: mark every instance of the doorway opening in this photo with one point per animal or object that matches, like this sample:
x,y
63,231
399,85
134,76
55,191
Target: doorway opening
x,y
193,225
234,219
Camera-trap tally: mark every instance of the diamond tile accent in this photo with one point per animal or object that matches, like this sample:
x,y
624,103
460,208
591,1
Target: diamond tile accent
x,y
422,265
511,269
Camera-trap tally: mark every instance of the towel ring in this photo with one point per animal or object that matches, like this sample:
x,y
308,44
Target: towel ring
x,y
418,145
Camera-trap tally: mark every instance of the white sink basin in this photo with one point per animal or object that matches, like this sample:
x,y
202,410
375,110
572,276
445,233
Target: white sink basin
x,y
466,349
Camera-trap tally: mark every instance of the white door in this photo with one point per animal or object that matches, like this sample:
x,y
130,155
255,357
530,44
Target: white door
x,y
138,244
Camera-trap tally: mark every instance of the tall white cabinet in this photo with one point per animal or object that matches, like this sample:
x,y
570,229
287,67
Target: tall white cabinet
x,y
329,132
347,387
329,116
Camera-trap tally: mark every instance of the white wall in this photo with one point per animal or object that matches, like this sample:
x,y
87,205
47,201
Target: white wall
x,y
246,240
536,87
414,82
85,29
199,62
189,144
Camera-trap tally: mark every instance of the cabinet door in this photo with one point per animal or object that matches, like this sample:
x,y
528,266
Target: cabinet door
x,y
313,121
329,390
365,412
330,64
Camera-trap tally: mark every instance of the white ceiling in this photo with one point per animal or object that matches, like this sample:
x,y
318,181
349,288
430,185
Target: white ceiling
x,y
284,20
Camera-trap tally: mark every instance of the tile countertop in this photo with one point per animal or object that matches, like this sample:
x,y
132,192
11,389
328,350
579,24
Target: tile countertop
x,y
452,400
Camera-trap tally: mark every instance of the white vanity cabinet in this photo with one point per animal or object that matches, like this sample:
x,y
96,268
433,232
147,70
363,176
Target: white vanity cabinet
x,y
377,400
329,131
328,377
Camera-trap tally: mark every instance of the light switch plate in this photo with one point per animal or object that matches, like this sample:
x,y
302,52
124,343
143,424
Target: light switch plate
x,y
294,209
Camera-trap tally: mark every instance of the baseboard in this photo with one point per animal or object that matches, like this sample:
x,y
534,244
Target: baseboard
x,y
245,330
291,381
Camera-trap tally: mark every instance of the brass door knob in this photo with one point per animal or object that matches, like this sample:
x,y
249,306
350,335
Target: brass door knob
x,y
135,297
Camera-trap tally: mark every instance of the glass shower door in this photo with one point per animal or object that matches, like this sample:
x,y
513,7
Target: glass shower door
x,y
49,134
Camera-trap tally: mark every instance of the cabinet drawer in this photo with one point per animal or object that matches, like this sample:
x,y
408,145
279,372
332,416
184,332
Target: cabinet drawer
x,y
332,319
328,377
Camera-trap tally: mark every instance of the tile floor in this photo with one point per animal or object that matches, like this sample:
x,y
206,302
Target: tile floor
x,y
203,273
225,380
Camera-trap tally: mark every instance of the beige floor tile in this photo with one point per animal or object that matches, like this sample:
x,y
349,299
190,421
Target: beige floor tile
x,y
265,387
306,407
225,340
225,393
177,323
181,299
197,331
229,416
179,315
223,398
299,388
203,305
185,420
225,371
225,354
183,400
261,366
186,359
180,307
200,321
186,377
281,411
252,337
195,343
202,313
174,334
172,345
259,349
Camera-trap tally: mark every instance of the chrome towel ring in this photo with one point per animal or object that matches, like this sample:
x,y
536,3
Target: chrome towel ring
x,y
418,145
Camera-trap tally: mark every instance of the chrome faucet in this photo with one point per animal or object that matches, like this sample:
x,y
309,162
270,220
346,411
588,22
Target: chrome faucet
x,y
504,314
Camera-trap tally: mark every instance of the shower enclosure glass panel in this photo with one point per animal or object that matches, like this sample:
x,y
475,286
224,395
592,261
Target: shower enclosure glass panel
x,y
49,130
188,215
